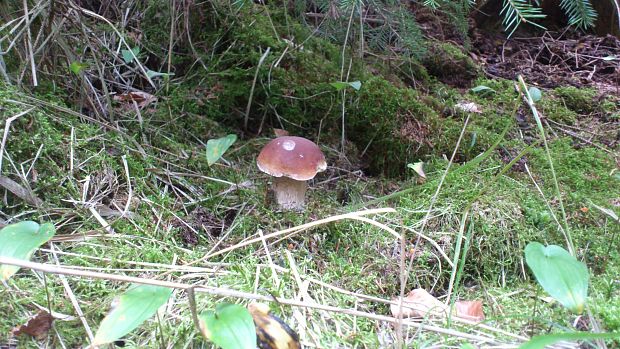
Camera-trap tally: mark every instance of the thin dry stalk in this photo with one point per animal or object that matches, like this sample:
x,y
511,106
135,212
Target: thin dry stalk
x,y
297,229
71,295
216,291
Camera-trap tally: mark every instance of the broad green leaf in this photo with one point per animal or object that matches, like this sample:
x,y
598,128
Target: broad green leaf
x,y
541,342
217,147
560,274
339,85
482,89
20,240
128,56
137,304
535,93
230,326
76,67
467,346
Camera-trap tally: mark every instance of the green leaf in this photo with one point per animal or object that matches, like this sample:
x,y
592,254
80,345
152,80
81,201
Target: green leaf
x,y
535,94
467,346
230,326
129,55
152,74
20,240
541,342
339,85
134,306
217,147
561,275
76,67
356,85
482,89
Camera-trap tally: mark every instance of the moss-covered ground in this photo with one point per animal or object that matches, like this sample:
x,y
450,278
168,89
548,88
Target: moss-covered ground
x,y
181,209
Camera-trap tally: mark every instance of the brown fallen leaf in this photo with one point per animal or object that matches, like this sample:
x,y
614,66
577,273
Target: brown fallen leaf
x,y
37,326
419,303
142,99
469,310
280,132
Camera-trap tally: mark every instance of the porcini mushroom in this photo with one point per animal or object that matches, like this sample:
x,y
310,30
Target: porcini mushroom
x,y
292,161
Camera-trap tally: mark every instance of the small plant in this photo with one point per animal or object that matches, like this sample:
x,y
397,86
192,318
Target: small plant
x,y
560,274
19,241
230,326
132,308
217,147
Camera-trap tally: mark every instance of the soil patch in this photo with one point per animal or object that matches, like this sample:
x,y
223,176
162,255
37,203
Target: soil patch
x,y
552,60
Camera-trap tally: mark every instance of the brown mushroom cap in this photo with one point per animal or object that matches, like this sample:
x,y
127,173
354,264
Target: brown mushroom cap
x,y
293,157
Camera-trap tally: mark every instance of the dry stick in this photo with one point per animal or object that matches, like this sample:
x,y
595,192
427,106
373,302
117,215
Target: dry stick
x,y
171,41
122,39
617,12
216,291
129,189
352,215
434,198
247,108
29,42
269,259
344,47
7,125
71,296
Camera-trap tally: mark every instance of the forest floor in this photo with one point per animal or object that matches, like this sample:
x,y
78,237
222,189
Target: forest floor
x,y
131,192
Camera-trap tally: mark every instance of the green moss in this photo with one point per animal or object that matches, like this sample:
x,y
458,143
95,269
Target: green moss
x,y
610,107
450,65
579,100
556,110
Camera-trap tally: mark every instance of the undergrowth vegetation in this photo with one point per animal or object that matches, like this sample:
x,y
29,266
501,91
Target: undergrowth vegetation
x,y
113,153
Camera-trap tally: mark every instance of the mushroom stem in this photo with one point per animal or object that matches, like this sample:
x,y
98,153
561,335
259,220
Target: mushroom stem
x,y
290,193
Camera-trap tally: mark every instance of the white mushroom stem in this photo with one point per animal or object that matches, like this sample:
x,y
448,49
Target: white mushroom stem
x,y
290,193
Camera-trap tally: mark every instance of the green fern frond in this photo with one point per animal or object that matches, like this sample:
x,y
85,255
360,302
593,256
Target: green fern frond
x,y
434,4
516,12
580,13
349,4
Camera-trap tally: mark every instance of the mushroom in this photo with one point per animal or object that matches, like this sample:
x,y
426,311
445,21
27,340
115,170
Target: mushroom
x,y
292,161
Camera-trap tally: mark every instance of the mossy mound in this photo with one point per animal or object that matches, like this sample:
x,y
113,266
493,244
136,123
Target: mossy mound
x,y
579,100
450,65
291,88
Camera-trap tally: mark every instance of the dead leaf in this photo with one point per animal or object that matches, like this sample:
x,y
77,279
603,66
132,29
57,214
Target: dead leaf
x,y
141,98
419,303
37,326
280,132
21,192
468,107
469,310
418,167
271,331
